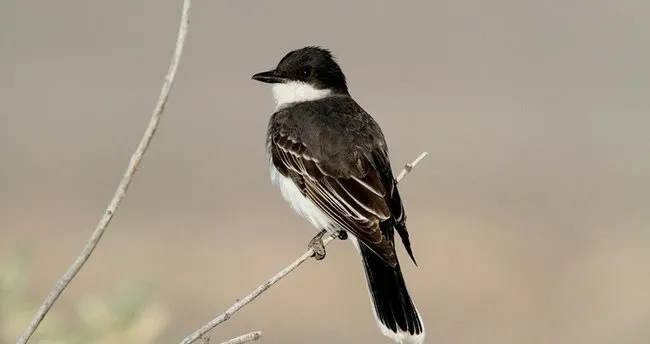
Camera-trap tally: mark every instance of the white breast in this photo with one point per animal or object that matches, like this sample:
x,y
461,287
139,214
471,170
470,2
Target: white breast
x,y
301,204
295,92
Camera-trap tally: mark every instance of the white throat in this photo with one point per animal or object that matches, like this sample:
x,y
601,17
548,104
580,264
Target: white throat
x,y
296,92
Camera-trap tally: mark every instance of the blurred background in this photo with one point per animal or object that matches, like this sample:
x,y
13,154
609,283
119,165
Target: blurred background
x,y
530,218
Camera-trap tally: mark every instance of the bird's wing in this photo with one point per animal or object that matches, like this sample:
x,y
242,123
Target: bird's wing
x,y
353,196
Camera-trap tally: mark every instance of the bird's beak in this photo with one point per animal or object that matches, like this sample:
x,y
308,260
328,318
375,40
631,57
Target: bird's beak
x,y
270,77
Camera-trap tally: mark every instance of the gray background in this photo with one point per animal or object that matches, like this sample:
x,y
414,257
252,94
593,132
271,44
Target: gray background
x,y
530,218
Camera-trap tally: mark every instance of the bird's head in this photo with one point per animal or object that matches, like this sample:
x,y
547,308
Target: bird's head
x,y
305,74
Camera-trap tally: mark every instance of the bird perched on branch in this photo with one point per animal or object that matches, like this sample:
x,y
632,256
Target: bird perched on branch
x,y
330,160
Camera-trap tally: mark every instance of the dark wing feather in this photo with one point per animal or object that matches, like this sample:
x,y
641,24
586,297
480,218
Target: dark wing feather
x,y
394,201
354,197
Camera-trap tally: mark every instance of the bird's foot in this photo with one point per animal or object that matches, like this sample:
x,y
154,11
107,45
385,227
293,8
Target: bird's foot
x,y
342,235
316,244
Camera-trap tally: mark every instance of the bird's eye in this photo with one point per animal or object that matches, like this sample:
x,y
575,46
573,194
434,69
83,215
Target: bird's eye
x,y
305,71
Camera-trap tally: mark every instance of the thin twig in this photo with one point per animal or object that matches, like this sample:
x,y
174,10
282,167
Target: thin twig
x,y
249,337
273,280
120,192
408,167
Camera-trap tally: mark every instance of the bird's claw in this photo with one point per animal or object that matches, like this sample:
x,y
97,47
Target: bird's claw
x,y
316,244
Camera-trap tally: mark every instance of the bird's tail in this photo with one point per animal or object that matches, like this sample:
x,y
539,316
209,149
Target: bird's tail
x,y
394,310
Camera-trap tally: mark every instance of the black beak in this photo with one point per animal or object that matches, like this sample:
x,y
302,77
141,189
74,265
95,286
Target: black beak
x,y
270,77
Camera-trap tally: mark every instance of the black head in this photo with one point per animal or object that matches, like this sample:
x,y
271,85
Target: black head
x,y
312,65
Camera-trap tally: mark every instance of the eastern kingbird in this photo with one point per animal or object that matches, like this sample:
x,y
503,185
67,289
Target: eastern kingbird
x,y
330,160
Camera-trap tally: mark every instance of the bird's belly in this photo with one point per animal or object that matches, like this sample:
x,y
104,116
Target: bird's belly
x,y
301,204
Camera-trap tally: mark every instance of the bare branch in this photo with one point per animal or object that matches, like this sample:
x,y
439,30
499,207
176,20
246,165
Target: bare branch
x,y
249,337
120,192
239,304
408,167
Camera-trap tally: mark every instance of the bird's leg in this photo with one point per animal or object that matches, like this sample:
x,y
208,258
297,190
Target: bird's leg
x,y
316,244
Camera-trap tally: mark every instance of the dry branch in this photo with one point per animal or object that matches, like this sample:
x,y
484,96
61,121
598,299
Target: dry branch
x,y
120,192
249,337
239,304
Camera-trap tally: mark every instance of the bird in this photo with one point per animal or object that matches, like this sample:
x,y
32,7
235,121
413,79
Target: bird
x,y
329,158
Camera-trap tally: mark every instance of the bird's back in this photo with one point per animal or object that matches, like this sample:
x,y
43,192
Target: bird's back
x,y
334,129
